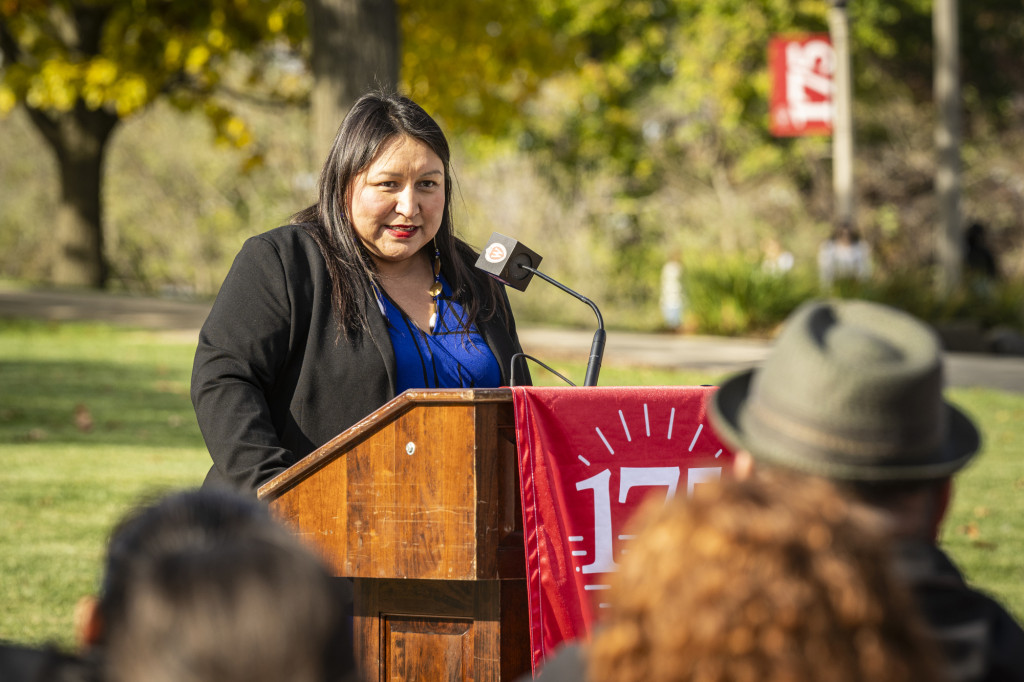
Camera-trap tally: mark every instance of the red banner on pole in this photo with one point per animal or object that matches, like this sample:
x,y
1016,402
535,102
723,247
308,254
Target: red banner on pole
x,y
801,100
587,458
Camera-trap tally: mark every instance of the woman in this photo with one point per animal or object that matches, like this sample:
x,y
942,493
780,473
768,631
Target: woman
x,y
366,294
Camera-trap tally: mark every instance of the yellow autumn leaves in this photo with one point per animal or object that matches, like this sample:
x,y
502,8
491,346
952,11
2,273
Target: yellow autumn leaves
x,y
137,57
59,83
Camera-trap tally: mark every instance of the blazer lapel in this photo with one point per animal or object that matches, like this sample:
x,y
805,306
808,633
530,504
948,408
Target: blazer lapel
x,y
381,339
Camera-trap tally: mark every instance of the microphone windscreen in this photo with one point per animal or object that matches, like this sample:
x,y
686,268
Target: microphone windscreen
x,y
503,258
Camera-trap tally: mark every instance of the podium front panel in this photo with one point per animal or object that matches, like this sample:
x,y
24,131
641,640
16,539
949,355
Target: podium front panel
x,y
441,630
430,492
419,503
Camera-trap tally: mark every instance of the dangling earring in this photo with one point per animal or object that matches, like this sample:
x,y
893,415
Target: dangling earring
x,y
435,288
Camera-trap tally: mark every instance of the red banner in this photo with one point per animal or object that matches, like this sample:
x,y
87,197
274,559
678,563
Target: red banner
x,y
587,458
801,100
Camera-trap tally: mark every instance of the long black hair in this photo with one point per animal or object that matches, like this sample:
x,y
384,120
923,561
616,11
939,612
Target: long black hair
x,y
374,121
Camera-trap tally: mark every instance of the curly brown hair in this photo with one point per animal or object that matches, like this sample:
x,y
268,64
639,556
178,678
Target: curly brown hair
x,y
773,578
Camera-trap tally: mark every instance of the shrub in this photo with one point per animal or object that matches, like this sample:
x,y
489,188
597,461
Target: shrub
x,y
734,296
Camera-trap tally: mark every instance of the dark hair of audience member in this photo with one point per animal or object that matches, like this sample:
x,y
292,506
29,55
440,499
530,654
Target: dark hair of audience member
x,y
205,587
772,578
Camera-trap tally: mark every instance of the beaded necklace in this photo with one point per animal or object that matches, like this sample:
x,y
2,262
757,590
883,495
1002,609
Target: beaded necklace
x,y
435,289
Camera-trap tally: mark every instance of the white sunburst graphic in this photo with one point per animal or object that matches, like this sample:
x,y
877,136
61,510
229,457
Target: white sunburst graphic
x,y
601,560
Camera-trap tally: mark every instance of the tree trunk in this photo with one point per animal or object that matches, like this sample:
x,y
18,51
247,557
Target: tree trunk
x,y
727,238
355,49
79,140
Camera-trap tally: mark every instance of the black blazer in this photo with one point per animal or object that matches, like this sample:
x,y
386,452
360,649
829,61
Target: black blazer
x,y
273,380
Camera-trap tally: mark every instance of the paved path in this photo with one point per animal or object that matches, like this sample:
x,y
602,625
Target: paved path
x,y
134,311
712,354
722,355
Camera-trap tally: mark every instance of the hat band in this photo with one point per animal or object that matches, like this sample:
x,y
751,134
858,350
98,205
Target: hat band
x,y
875,445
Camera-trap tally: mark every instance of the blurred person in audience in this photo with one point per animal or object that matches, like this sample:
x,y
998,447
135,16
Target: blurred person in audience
x,y
204,586
764,579
853,392
25,663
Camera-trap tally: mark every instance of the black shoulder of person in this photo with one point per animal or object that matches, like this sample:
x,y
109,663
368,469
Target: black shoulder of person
x,y
24,663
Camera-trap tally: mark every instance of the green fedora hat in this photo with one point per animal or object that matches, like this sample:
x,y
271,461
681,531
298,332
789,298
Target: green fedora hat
x,y
850,391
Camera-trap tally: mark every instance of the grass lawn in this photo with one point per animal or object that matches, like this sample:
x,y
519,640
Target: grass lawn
x,y
95,418
92,419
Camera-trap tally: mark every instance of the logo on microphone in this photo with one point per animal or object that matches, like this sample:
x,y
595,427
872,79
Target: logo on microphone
x,y
495,253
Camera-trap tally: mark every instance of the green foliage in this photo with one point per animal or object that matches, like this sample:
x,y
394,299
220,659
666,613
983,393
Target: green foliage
x,y
120,57
732,296
561,76
893,50
989,304
177,208
722,85
81,67
502,53
682,94
605,134
176,220
588,118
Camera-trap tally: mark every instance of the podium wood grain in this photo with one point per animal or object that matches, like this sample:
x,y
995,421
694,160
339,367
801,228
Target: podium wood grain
x,y
419,504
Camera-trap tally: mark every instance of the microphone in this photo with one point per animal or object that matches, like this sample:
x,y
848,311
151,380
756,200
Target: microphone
x,y
506,260
512,263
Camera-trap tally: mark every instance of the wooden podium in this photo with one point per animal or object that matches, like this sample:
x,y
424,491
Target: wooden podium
x,y
419,504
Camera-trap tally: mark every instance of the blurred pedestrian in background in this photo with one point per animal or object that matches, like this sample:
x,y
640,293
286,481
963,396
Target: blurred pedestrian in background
x,y
978,257
844,256
672,298
981,270
774,259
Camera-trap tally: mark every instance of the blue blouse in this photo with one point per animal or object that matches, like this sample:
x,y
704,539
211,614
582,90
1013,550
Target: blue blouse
x,y
451,357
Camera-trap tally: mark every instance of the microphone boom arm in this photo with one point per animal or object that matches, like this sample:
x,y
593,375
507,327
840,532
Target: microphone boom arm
x,y
597,347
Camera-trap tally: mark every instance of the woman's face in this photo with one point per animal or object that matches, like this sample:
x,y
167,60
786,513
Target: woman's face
x,y
397,203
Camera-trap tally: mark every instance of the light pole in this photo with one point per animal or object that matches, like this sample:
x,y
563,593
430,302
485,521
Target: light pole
x,y
949,242
842,120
